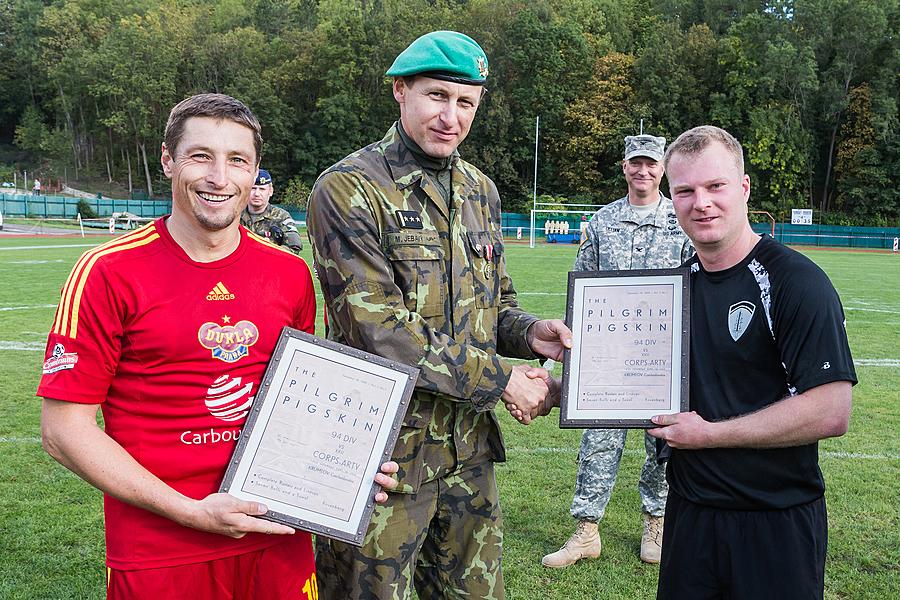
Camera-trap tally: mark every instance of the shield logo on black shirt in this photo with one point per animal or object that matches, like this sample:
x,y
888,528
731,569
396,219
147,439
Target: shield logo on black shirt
x,y
739,316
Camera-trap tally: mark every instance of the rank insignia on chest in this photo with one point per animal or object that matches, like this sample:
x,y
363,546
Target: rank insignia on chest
x,y
409,219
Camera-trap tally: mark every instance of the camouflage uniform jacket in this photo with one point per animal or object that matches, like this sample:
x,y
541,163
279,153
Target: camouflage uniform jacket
x,y
261,224
409,278
617,240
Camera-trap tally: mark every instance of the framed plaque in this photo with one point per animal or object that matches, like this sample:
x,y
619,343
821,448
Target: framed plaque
x,y
630,355
324,420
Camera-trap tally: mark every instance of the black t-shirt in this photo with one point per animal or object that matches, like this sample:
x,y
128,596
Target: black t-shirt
x,y
769,327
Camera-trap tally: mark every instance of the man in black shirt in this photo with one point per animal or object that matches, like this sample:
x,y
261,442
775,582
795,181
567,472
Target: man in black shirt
x,y
771,374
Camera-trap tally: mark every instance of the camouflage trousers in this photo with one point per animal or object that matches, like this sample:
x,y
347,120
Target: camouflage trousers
x,y
446,539
598,465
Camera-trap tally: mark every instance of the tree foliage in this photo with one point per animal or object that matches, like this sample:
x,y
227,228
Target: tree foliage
x,y
594,137
809,86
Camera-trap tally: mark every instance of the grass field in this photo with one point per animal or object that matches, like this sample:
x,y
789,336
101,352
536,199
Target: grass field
x,y
51,524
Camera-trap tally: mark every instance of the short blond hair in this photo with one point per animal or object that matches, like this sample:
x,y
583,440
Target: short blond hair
x,y
694,141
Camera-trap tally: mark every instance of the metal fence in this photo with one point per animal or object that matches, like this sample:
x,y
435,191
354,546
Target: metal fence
x,y
24,205
832,235
807,235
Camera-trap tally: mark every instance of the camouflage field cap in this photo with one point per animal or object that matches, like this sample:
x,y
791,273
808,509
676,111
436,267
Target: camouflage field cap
x,y
446,55
645,145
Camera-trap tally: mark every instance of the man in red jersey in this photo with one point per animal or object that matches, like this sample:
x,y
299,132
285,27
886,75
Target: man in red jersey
x,y
169,329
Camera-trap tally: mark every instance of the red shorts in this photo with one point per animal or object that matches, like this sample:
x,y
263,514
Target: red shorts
x,y
286,570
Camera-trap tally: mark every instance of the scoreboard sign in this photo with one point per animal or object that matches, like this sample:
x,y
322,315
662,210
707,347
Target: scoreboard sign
x,y
801,216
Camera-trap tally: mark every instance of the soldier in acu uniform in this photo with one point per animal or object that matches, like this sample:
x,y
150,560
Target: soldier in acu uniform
x,y
269,221
408,248
639,231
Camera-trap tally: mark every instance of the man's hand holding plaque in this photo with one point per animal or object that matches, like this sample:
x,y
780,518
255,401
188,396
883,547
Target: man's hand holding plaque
x,y
325,418
629,360
226,515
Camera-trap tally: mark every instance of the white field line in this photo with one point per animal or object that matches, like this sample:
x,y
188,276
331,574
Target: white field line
x,y
34,262
875,310
51,247
826,453
23,346
31,307
877,362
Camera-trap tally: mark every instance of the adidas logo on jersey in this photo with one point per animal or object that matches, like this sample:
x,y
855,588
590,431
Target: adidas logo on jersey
x,y
220,292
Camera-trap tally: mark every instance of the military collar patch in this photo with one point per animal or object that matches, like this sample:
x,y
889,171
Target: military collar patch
x,y
409,219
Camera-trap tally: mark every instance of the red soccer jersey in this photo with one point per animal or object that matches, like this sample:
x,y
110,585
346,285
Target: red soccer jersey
x,y
174,351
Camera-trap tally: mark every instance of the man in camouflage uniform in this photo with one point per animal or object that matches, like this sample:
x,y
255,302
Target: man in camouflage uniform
x,y
639,231
408,248
267,220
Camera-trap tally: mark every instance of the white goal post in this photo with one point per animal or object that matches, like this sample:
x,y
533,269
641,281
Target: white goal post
x,y
586,209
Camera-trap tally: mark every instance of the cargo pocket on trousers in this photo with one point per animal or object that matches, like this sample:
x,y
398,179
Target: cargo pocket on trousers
x,y
408,450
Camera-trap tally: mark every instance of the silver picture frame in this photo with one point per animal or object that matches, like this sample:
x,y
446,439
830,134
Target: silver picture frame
x,y
324,420
630,358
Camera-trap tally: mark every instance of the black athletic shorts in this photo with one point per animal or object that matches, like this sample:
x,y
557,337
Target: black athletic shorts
x,y
712,553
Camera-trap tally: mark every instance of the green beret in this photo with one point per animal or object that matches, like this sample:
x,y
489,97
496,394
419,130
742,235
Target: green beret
x,y
446,55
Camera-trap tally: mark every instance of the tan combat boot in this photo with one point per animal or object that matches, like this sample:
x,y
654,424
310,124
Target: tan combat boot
x,y
584,543
651,541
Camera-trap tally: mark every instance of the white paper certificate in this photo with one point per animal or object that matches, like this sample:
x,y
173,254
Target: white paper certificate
x,y
325,419
629,357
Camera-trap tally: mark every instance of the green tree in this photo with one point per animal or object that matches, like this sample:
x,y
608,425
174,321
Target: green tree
x,y
769,76
140,58
718,15
845,35
296,193
21,72
678,73
541,62
866,163
87,84
33,134
777,149
594,136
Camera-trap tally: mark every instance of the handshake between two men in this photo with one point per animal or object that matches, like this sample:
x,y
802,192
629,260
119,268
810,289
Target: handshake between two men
x,y
531,391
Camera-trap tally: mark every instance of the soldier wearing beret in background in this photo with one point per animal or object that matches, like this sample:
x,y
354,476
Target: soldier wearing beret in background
x,y
639,231
269,221
408,247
